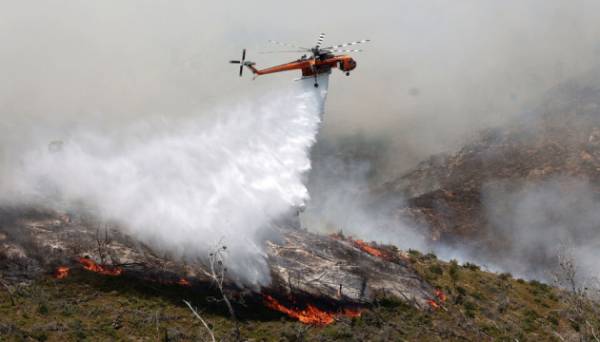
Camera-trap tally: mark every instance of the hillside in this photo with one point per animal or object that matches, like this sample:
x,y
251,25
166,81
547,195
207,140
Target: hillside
x,y
478,306
517,191
65,277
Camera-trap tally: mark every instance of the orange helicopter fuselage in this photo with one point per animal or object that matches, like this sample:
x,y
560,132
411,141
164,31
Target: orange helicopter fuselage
x,y
311,66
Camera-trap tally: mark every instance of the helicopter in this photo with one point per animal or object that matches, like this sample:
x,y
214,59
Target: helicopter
x,y
320,61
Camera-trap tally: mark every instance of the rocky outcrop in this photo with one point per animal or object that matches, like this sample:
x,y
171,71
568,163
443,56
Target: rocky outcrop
x,y
301,263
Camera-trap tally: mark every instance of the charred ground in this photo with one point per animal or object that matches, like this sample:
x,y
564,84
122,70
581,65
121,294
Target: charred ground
x,y
479,306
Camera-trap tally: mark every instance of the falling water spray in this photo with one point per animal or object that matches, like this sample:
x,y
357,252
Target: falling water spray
x,y
185,186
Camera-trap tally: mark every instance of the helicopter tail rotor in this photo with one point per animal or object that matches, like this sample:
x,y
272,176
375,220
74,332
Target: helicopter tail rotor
x,y
242,62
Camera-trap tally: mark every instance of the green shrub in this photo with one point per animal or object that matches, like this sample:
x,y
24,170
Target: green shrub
x,y
430,256
505,276
43,309
478,295
453,271
468,305
471,266
40,335
553,318
529,319
436,269
470,309
414,253
540,286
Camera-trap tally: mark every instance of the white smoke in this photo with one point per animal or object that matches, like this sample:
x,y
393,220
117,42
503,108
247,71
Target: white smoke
x,y
184,185
342,199
532,222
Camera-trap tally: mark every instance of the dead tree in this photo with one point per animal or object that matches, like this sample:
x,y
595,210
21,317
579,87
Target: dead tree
x,y
216,261
195,312
580,312
102,244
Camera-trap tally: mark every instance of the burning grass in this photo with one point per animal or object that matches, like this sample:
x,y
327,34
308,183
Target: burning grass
x,y
438,300
88,264
61,272
92,266
310,314
383,253
365,247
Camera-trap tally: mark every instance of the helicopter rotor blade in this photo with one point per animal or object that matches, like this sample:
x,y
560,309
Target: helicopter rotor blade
x,y
346,44
288,45
345,50
320,40
282,51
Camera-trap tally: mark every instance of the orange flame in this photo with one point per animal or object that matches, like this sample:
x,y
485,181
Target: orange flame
x,y
91,265
433,304
352,313
438,301
310,315
61,272
365,247
440,295
184,282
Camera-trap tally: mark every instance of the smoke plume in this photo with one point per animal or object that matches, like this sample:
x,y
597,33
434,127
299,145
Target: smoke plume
x,y
343,198
531,222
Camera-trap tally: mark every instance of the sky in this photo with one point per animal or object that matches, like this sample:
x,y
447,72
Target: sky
x,y
434,72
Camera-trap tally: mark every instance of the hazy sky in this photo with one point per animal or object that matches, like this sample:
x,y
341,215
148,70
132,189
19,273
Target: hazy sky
x,y
434,72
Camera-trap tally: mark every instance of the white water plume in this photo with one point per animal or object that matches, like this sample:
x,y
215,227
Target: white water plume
x,y
184,185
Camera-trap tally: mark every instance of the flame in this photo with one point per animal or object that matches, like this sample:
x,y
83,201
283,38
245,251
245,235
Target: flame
x,y
433,304
440,295
61,272
184,282
369,249
352,313
91,265
440,298
365,247
310,315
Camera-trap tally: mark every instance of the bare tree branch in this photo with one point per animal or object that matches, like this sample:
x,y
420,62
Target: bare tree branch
x,y
212,336
216,260
579,311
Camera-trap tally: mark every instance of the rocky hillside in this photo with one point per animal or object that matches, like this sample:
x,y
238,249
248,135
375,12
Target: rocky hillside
x,y
471,305
456,194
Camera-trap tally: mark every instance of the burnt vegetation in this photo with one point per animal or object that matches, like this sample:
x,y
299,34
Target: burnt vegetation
x,y
479,306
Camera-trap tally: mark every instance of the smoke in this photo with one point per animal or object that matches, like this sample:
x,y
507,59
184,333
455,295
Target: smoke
x,y
433,73
521,225
343,199
532,222
184,186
